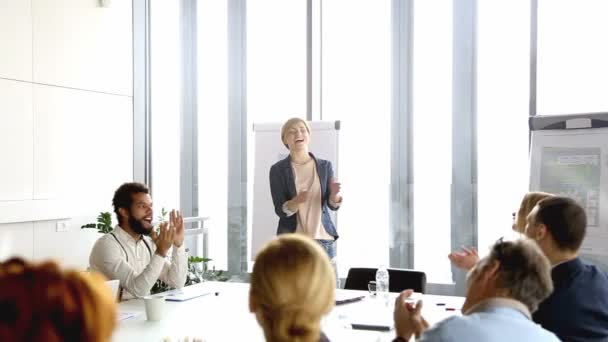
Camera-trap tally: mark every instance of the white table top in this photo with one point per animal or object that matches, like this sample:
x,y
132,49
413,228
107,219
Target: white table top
x,y
226,317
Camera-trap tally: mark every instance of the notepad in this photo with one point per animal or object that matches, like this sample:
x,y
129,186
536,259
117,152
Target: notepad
x,y
374,318
375,327
186,293
377,324
124,315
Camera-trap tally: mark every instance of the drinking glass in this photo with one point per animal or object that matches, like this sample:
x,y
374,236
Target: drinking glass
x,y
371,287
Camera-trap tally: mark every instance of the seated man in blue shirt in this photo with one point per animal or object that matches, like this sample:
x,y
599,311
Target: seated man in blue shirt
x,y
502,290
577,310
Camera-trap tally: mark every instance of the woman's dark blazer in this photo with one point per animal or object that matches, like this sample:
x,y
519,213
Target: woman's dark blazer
x,y
283,188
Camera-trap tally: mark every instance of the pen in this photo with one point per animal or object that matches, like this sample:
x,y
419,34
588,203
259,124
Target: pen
x,y
350,300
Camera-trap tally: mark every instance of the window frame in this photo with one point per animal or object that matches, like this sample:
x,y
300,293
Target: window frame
x,y
464,152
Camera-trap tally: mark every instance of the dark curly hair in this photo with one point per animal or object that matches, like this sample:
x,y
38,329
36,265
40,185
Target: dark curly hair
x,y
123,197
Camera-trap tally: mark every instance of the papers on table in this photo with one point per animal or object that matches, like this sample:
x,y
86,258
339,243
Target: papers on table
x,y
124,315
380,319
366,312
186,293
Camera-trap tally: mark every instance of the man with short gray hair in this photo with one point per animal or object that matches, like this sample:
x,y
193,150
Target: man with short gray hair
x,y
502,291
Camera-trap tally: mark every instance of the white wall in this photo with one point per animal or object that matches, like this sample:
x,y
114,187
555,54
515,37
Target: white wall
x,y
66,114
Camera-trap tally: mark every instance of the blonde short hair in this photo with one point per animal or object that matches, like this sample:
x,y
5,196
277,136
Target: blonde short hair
x,y
527,204
292,286
287,125
41,302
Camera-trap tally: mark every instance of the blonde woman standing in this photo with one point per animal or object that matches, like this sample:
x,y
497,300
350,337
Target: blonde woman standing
x,y
303,189
286,310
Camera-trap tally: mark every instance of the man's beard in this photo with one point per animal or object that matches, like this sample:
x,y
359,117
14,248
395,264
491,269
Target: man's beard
x,y
137,226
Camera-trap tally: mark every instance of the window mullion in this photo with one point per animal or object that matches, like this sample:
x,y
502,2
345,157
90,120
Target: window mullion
x,y
142,163
237,137
189,110
401,231
464,133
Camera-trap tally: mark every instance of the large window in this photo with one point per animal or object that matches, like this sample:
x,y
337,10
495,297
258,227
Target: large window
x,y
166,104
276,71
373,69
572,53
276,60
432,139
503,68
356,81
168,113
212,103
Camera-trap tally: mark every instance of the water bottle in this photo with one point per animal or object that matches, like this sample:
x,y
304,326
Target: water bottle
x,y
382,282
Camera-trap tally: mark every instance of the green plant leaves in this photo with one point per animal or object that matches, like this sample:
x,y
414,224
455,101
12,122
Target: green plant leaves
x,y
104,223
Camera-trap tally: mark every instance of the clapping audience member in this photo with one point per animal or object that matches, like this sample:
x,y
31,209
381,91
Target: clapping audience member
x,y
502,291
577,310
131,255
468,257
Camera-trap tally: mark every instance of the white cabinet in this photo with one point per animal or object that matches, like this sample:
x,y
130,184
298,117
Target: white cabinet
x,y
16,240
79,44
16,140
16,39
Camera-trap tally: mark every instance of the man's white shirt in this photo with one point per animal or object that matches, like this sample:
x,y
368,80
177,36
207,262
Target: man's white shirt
x,y
117,255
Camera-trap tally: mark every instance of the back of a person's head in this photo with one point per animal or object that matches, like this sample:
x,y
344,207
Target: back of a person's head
x,y
527,204
524,271
565,219
292,285
41,302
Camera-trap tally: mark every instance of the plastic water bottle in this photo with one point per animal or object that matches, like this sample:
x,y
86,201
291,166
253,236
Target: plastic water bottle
x,y
382,282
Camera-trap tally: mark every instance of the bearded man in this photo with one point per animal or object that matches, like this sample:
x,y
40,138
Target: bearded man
x,y
131,255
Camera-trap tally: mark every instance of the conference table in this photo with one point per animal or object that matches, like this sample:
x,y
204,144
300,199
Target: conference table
x,y
223,315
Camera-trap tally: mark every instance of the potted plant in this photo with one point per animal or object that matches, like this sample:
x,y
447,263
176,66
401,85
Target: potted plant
x,y
199,271
103,225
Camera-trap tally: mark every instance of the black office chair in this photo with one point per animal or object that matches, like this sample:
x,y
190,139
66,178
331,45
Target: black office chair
x,y
399,279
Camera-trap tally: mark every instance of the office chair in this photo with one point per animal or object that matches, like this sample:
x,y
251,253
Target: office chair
x,y
399,279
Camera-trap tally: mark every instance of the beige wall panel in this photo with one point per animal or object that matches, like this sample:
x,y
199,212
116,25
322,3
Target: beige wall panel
x,y
81,45
16,139
16,39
